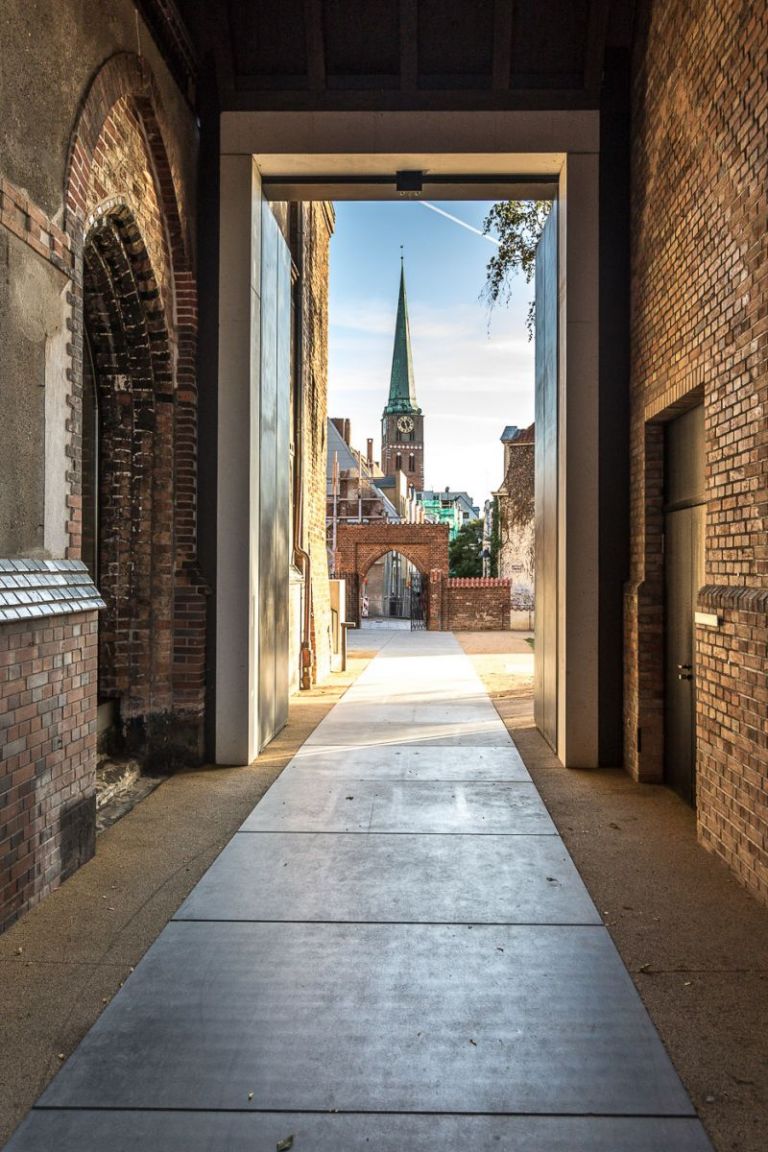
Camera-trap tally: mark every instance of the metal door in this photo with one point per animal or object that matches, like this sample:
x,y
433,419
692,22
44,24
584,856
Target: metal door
x,y
684,524
273,464
547,540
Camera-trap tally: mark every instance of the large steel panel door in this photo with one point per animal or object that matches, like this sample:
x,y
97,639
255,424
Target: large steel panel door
x,y
546,653
273,464
684,526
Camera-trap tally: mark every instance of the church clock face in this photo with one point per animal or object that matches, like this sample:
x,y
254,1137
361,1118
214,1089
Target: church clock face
x,y
405,424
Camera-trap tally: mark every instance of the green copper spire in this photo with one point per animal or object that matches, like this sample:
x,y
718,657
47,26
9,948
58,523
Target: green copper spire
x,y
402,389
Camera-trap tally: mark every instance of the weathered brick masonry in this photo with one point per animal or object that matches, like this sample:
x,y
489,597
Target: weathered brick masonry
x,y
47,755
317,228
458,604
134,291
476,605
700,330
425,545
96,216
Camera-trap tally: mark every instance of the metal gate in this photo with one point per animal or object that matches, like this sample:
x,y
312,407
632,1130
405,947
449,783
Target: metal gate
x,y
418,607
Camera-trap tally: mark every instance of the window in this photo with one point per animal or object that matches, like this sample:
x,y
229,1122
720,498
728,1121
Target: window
x,y
411,463
398,462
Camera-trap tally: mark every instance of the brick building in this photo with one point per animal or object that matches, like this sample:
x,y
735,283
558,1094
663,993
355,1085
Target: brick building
x,y
154,344
515,511
106,629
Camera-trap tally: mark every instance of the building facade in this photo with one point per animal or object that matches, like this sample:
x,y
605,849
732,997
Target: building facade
x,y
448,507
515,505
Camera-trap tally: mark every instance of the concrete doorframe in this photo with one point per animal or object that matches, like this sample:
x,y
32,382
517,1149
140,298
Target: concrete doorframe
x,y
309,152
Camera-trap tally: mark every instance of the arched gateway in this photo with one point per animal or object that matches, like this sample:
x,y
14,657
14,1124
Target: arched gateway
x,y
425,545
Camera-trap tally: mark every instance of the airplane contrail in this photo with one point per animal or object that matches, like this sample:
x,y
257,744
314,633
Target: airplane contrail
x,y
456,220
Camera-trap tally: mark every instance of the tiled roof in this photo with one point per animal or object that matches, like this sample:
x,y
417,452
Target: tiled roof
x,y
514,435
30,589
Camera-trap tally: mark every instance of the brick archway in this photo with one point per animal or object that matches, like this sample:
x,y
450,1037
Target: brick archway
x,y
425,545
119,136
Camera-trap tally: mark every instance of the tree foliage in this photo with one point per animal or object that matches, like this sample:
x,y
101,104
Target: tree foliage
x,y
465,551
495,537
517,225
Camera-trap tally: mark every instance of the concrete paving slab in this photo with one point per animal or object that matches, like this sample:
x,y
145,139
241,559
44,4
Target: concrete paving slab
x,y
403,1018
121,1131
408,763
365,712
402,879
489,733
297,803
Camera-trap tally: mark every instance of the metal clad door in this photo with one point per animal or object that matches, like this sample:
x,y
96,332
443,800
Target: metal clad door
x,y
273,479
282,489
546,650
684,525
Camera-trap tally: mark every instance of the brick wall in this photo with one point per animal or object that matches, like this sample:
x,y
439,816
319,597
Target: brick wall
x,y
127,215
358,546
476,605
318,227
699,285
47,756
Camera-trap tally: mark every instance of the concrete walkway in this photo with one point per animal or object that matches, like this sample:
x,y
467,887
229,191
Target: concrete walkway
x,y
394,952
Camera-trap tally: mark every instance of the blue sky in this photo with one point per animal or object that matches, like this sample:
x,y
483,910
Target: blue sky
x,y
471,379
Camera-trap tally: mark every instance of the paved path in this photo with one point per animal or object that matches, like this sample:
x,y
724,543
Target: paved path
x,y
395,952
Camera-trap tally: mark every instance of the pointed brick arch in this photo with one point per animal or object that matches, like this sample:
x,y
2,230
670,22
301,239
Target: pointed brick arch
x,y
119,143
425,545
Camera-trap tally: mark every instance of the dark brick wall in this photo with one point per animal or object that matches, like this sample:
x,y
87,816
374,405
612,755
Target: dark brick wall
x,y
699,331
47,756
108,147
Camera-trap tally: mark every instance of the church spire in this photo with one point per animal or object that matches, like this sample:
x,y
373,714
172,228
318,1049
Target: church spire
x,y
402,389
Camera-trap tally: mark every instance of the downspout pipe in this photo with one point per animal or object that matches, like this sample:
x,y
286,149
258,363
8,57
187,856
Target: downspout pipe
x,y
300,553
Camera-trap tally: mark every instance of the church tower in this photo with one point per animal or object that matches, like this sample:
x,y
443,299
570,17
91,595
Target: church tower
x,y
402,422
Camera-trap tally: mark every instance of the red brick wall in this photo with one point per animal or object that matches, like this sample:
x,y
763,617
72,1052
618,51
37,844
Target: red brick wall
x,y
47,756
699,286
476,605
425,545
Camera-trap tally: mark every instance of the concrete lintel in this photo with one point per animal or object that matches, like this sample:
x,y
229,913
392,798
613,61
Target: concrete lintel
x,y
491,135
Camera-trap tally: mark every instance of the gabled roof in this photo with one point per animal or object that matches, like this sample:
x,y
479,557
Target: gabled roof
x,y
350,460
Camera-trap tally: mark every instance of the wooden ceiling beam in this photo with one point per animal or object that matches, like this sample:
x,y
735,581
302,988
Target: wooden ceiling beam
x,y
315,41
409,45
594,56
503,24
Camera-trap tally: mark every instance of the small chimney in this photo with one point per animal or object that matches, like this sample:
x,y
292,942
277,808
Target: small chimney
x,y
343,427
369,451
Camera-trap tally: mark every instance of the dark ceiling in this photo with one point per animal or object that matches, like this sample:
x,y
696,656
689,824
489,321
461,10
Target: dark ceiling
x,y
307,54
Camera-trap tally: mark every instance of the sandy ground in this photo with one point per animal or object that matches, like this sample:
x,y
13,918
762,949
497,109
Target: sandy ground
x,y
66,959
694,941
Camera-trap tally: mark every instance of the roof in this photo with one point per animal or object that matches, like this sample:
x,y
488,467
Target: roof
x,y
514,435
30,589
447,494
350,460
402,387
